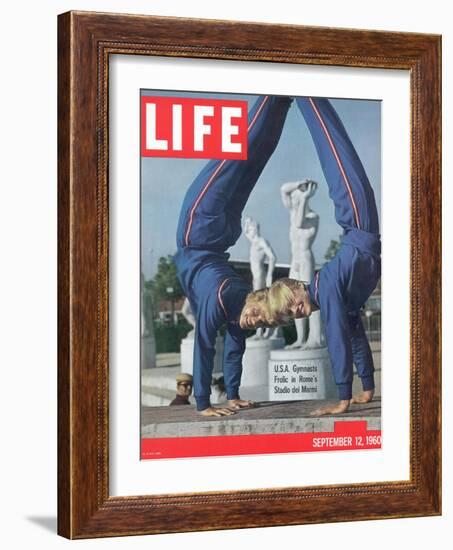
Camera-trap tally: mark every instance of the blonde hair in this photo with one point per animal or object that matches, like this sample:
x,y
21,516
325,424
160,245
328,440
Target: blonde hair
x,y
280,299
258,301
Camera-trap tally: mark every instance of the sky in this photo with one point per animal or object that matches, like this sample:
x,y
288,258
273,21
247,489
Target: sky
x,y
165,181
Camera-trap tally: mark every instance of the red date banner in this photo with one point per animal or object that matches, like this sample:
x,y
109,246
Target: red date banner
x,y
193,128
347,436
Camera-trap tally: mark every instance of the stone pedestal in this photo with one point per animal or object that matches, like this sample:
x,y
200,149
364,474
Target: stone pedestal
x,y
255,380
300,374
187,355
148,352
277,342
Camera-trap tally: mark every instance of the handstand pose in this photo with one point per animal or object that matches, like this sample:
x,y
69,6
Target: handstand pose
x,y
209,224
344,284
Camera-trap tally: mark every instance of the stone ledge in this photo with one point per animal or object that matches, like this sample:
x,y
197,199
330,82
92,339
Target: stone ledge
x,y
267,418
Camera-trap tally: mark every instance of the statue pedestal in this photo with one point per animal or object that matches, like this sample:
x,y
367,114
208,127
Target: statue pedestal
x,y
277,343
148,352
300,374
255,380
187,355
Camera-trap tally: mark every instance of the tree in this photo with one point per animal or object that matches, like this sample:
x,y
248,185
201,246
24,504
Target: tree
x,y
334,247
164,279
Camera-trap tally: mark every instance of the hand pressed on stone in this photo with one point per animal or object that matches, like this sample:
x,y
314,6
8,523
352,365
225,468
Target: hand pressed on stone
x,y
217,411
240,404
338,408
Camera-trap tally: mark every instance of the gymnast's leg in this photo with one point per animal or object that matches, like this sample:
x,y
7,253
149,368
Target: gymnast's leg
x,y
349,188
223,186
266,122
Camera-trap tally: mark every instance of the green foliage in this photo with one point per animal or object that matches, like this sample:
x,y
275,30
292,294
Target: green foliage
x,y
334,247
165,278
168,337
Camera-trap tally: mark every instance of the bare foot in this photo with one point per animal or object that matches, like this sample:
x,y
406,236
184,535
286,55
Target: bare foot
x,y
363,397
217,411
309,345
240,404
338,408
294,345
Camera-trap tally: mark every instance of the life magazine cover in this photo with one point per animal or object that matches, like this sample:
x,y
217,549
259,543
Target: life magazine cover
x,y
260,274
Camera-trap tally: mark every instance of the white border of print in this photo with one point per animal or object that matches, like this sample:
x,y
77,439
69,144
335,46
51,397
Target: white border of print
x,y
128,474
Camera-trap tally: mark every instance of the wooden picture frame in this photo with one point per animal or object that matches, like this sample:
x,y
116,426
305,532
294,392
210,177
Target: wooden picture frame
x,y
85,41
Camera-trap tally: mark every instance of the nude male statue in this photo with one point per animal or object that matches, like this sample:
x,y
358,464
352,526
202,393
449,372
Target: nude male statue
x,y
304,223
260,252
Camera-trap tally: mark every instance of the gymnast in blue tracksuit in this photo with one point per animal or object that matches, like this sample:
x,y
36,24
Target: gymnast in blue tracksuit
x,y
342,286
210,223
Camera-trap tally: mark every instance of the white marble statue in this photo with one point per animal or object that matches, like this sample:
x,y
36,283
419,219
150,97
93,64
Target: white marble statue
x,y
304,223
260,252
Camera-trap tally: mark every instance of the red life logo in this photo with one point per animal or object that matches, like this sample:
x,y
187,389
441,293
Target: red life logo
x,y
193,128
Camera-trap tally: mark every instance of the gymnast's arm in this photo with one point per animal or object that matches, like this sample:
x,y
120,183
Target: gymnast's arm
x,y
336,325
206,328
